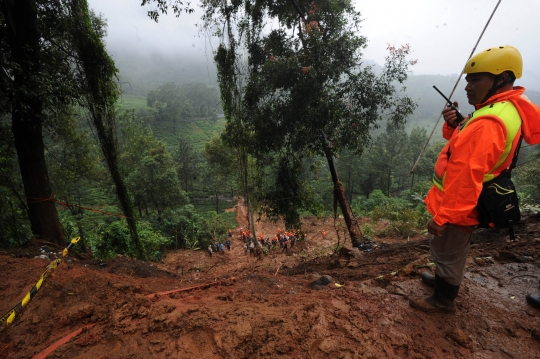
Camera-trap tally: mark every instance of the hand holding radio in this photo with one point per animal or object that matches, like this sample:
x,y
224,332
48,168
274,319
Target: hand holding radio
x,y
451,114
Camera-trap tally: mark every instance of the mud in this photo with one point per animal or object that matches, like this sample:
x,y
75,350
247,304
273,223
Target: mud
x,y
235,306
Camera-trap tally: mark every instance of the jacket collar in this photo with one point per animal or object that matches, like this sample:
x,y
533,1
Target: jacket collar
x,y
498,97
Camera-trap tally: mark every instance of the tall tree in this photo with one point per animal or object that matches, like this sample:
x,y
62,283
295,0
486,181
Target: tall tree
x,y
56,59
188,162
302,91
220,160
23,86
98,73
388,153
149,169
306,93
417,137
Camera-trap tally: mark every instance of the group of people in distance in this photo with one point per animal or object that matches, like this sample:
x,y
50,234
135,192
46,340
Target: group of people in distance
x,y
282,240
220,246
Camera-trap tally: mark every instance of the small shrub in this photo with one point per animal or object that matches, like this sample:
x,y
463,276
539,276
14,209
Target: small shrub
x,y
362,205
115,239
367,230
404,221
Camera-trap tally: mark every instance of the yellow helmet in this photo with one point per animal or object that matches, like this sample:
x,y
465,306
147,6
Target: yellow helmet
x,y
496,60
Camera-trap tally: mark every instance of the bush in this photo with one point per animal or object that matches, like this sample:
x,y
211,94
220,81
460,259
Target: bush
x,y
363,206
14,224
403,223
367,230
405,217
115,239
188,229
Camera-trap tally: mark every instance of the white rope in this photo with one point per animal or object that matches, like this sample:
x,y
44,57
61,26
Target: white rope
x,y
451,93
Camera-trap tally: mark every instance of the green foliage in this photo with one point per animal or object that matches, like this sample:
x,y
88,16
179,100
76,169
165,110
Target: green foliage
x,y
363,206
405,219
187,228
298,87
161,6
526,177
14,224
184,102
73,160
218,172
188,162
76,85
138,104
196,132
115,239
149,168
367,230
98,73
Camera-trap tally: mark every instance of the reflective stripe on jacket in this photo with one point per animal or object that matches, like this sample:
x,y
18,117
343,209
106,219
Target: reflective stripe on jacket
x,y
474,154
505,113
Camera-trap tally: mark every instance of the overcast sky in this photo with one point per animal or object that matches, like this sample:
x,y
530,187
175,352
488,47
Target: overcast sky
x,y
441,33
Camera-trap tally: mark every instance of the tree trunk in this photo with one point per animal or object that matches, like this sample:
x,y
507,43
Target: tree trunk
x,y
99,72
339,194
23,36
82,242
389,182
349,183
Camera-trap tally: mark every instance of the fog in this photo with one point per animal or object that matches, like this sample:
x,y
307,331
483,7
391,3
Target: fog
x,y
441,34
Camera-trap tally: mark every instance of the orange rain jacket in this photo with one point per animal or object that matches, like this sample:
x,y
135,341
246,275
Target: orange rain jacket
x,y
475,151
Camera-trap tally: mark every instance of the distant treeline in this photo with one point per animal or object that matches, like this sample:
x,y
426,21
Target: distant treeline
x,y
192,100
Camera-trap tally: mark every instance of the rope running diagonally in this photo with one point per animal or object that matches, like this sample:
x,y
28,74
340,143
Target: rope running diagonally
x,y
68,205
451,93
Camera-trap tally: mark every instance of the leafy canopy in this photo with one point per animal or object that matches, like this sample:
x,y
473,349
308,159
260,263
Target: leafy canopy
x,y
291,72
302,80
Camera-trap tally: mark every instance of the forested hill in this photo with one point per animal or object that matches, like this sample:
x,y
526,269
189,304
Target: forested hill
x,y
201,128
141,73
74,163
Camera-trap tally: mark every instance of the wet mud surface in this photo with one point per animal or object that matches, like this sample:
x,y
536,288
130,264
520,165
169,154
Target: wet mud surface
x,y
235,306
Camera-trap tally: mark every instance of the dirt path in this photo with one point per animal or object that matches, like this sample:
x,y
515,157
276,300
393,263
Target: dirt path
x,y
260,314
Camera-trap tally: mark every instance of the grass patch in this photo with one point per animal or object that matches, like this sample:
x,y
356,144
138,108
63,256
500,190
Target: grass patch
x,y
197,132
230,218
207,205
137,103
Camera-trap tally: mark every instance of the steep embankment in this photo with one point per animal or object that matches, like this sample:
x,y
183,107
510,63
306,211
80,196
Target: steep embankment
x,y
234,306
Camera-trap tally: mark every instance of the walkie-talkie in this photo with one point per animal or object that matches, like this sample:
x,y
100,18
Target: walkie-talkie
x,y
460,117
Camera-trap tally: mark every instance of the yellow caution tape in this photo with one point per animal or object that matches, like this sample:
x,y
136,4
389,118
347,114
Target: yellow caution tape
x,y
10,317
339,285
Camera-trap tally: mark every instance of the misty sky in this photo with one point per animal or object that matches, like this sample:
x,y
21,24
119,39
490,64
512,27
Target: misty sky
x,y
441,34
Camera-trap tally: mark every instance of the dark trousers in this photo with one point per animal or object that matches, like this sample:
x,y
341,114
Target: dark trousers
x,y
450,252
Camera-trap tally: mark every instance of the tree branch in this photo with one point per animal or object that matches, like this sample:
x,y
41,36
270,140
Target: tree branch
x,y
69,53
4,77
297,8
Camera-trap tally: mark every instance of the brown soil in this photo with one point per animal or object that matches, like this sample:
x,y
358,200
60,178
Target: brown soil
x,y
238,307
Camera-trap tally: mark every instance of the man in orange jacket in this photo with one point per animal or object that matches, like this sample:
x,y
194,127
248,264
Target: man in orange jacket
x,y
479,149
